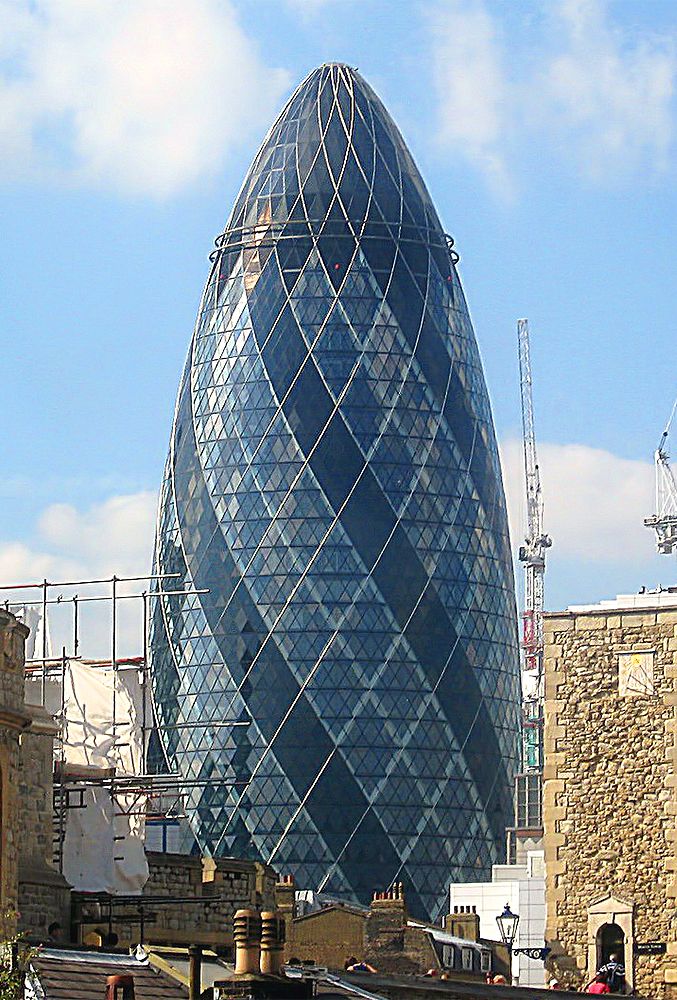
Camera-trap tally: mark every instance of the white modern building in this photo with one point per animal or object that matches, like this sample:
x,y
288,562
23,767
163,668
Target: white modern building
x,y
522,887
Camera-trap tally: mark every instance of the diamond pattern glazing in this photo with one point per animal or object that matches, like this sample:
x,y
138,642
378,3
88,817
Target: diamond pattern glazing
x,y
343,693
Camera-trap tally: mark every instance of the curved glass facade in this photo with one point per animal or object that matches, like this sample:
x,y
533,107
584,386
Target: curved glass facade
x,y
342,698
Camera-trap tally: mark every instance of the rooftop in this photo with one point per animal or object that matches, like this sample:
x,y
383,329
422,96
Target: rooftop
x,y
82,975
661,597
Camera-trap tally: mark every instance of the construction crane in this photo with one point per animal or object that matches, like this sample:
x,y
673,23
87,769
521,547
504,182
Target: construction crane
x,y
664,521
532,553
528,821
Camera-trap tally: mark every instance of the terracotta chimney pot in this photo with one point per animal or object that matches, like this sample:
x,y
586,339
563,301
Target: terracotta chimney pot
x,y
247,935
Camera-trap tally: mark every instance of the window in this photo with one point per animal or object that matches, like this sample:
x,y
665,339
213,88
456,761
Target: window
x,y
528,798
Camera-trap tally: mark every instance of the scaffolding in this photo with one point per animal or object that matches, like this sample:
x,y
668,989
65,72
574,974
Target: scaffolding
x,y
136,792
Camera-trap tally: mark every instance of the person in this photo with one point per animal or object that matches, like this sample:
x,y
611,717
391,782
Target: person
x,y
598,985
613,974
54,931
555,984
499,980
352,965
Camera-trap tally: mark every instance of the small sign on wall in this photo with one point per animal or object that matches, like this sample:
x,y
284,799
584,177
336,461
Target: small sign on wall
x,y
635,674
650,947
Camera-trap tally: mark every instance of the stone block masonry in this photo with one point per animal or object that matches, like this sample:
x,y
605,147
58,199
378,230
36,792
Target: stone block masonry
x,y
210,891
13,722
609,793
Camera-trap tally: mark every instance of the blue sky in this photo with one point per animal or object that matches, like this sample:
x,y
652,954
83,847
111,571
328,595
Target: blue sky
x,y
545,132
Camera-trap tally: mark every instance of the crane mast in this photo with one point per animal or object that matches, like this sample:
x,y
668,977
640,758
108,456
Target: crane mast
x,y
664,521
527,830
532,552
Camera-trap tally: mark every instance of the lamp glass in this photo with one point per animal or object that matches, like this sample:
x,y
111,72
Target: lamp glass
x,y
507,925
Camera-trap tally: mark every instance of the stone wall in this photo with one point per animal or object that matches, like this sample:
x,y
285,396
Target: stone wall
x,y
393,947
206,894
13,721
609,791
44,894
327,937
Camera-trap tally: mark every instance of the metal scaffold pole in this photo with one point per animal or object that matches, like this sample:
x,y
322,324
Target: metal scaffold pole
x,y
130,786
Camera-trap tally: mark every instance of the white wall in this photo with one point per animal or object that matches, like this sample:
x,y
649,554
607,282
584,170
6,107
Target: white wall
x,y
526,897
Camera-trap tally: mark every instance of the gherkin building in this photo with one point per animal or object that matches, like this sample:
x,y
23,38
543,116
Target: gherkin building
x,y
337,686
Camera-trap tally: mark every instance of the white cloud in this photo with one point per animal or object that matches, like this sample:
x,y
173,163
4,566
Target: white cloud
x,y
113,537
471,85
145,97
595,502
612,94
575,85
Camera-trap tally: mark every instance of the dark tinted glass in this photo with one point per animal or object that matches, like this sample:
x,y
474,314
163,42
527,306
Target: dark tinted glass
x,y
347,690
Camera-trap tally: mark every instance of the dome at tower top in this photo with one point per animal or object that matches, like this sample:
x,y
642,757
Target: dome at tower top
x,y
335,157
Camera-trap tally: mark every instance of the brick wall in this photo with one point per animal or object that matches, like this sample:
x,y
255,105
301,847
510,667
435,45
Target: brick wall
x,y
609,791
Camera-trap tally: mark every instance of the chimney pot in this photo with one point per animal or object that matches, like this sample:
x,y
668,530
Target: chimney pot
x,y
272,942
247,935
120,987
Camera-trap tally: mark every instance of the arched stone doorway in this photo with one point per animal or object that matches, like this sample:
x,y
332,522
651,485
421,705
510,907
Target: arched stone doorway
x,y
611,928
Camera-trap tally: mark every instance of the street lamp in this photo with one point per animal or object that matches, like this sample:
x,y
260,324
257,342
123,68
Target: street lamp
x,y
507,926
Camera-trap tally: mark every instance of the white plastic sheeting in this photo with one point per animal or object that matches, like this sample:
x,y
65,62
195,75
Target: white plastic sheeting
x,y
103,848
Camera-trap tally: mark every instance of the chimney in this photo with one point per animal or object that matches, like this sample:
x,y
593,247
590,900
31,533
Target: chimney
x,y
392,898
285,894
272,942
194,971
247,934
464,922
120,987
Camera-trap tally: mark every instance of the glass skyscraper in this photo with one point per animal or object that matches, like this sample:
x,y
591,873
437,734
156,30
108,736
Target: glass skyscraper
x,y
340,693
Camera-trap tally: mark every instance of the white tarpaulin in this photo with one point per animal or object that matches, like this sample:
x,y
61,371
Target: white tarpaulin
x,y
103,846
117,862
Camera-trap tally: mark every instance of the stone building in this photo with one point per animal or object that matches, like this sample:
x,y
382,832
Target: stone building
x,y
28,881
610,789
186,900
385,935
44,894
14,720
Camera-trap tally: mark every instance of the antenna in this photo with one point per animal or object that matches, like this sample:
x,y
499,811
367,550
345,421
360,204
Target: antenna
x,y
664,521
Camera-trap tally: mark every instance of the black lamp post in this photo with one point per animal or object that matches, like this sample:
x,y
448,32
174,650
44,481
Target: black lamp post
x,y
507,926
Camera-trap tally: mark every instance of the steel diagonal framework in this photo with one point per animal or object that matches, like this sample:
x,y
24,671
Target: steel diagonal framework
x,y
333,485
